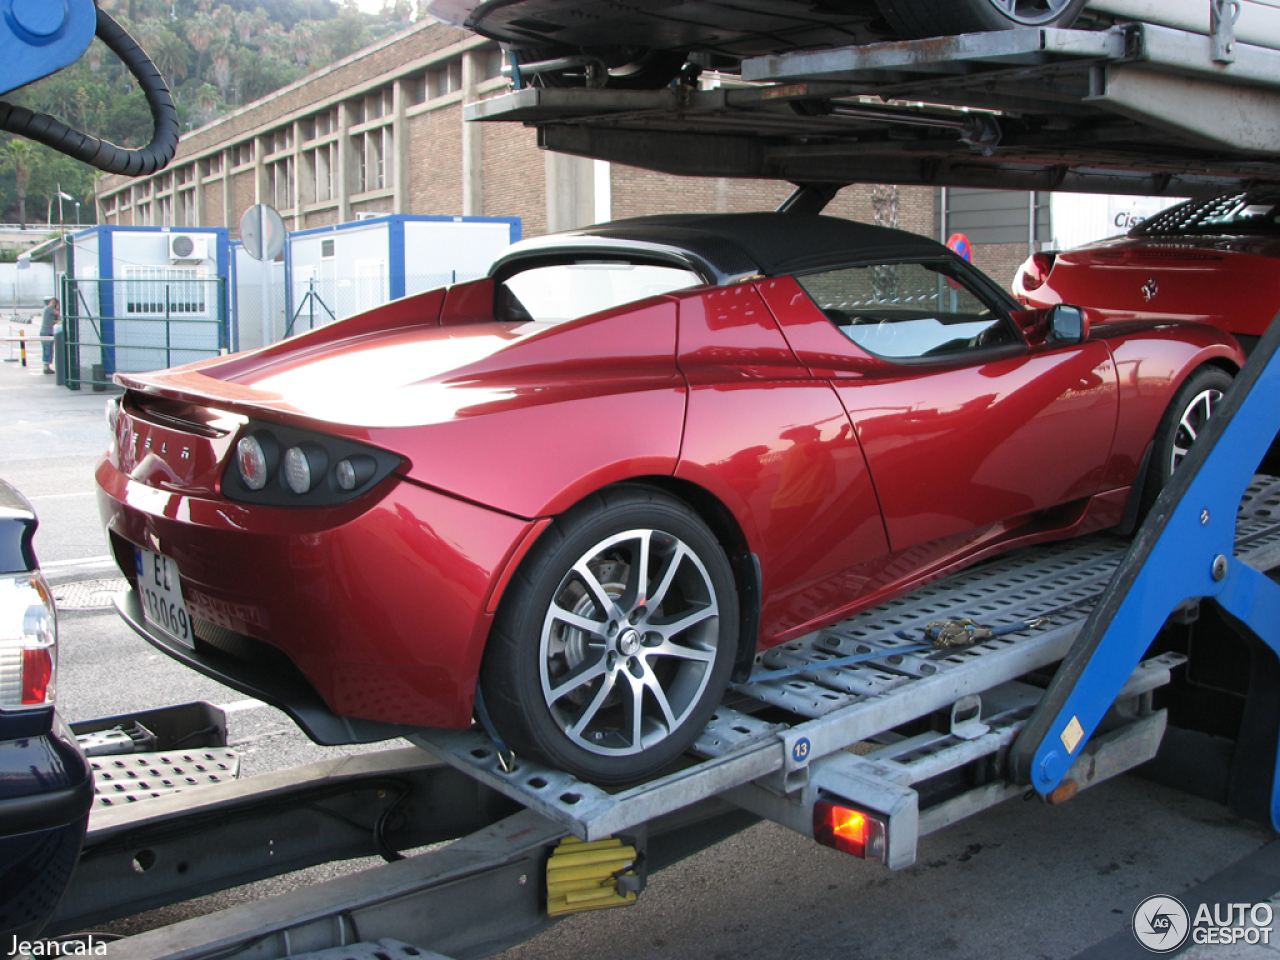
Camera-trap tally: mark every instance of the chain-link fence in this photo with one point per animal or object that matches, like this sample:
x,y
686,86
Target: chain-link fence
x,y
138,324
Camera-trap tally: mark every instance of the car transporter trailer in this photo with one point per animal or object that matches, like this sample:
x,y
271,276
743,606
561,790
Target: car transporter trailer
x,y
865,735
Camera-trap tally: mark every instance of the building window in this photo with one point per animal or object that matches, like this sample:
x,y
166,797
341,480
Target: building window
x,y
444,80
164,291
280,183
320,168
371,149
186,208
415,89
326,249
493,63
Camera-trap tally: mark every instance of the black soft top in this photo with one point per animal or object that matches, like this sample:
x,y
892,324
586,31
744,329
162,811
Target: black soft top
x,y
741,244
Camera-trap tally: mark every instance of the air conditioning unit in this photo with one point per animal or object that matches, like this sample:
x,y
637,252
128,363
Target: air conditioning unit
x,y
369,215
188,246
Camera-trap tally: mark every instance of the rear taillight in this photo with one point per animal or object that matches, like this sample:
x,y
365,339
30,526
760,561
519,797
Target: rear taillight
x,y
28,642
1036,270
850,830
282,466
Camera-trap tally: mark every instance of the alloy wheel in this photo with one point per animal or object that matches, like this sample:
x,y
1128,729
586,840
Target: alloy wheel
x,y
628,642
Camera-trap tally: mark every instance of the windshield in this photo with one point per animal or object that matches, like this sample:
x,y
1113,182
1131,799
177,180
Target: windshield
x,y
566,291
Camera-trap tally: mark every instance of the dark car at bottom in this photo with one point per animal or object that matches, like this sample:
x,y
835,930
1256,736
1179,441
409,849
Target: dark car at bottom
x,y
46,785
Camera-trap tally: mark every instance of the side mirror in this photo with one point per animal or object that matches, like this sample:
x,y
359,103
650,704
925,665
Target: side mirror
x,y
1067,324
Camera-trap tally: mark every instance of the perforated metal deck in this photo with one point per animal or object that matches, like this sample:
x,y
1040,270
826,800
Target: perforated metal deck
x,y
835,707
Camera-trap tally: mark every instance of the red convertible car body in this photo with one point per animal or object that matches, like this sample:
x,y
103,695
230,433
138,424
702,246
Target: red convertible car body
x,y
836,413
1212,261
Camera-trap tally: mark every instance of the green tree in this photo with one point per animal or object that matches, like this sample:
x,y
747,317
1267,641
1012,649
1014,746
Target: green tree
x,y
18,157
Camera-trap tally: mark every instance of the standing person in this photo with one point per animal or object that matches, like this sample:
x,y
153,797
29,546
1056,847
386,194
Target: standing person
x,y
48,321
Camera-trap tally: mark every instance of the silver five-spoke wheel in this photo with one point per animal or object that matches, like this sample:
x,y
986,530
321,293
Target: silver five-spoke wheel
x,y
1031,13
616,638
1183,422
628,642
942,18
1193,420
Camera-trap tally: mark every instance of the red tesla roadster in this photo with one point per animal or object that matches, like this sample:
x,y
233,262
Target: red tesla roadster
x,y
594,484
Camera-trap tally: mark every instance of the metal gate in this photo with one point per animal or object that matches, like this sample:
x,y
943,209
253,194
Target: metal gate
x,y
139,323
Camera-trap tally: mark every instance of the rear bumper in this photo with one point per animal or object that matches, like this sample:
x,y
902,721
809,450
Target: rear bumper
x,y
263,678
381,605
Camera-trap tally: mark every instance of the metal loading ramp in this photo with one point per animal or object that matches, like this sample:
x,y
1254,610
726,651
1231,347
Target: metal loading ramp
x,y
1135,109
772,733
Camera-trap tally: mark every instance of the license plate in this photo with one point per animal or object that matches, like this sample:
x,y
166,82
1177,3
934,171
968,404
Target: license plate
x,y
162,603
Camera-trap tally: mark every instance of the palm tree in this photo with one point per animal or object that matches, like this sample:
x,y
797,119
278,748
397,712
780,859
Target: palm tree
x,y
19,156
225,18
200,33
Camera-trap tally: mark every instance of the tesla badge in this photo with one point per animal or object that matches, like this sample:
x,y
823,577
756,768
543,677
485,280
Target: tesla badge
x,y
1149,290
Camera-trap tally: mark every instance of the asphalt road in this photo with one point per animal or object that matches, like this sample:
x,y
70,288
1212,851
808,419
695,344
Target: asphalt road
x,y
1021,881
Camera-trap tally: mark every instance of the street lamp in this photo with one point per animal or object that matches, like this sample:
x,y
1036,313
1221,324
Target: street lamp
x,y
77,213
62,196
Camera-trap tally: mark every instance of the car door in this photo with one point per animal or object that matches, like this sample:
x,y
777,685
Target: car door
x,y
965,423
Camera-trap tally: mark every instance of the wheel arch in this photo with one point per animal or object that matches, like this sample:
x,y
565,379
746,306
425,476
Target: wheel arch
x,y
723,525
1133,514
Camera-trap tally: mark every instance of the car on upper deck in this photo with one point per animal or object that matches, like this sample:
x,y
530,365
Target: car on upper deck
x,y
641,45
584,490
1213,260
46,785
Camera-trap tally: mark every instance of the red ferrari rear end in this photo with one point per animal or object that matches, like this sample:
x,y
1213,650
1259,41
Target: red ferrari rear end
x,y
1212,261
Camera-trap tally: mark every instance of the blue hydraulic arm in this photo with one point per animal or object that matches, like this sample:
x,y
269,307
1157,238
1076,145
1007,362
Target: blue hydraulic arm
x,y
1183,551
40,37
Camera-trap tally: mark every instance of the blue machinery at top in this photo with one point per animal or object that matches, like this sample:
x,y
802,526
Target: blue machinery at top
x,y
1183,551
40,37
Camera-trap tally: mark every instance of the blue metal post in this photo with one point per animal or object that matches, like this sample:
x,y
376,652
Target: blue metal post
x,y
1184,550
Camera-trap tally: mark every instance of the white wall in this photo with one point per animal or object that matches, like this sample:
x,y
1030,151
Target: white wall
x,y
255,287
1080,218
437,253
353,280
23,291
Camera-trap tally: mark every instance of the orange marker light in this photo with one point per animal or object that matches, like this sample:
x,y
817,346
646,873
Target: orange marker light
x,y
850,830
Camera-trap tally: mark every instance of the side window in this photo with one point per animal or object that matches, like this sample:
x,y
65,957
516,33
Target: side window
x,y
905,311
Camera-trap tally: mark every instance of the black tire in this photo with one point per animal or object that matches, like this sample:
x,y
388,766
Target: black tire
x,y
613,694
1185,418
913,19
